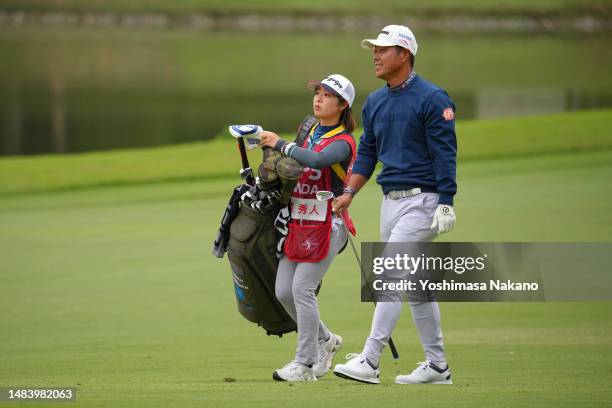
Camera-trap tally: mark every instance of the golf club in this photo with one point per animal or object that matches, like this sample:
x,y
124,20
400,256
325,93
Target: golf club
x,y
328,195
252,133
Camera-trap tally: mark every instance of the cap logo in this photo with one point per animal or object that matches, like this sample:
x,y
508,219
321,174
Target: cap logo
x,y
334,81
402,35
384,32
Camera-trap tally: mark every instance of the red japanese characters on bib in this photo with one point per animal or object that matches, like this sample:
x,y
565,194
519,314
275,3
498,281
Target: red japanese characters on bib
x,y
311,220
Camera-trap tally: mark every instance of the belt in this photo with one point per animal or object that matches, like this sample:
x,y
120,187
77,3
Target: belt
x,y
397,194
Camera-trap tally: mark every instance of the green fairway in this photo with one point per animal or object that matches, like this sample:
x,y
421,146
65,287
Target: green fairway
x,y
114,291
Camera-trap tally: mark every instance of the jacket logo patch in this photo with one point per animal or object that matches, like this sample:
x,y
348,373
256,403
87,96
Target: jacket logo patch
x,y
448,114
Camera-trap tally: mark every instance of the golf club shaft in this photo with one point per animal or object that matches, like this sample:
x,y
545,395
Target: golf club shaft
x,y
363,275
245,161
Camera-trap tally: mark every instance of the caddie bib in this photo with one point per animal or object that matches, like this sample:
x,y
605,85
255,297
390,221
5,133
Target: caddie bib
x,y
311,220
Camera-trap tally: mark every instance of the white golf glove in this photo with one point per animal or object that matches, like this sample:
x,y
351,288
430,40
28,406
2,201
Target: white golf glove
x,y
443,219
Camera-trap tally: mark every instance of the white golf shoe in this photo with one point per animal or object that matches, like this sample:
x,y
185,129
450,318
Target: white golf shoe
x,y
326,352
358,369
426,373
294,371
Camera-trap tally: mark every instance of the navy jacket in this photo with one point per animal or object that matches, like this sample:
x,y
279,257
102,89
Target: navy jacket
x,y
411,130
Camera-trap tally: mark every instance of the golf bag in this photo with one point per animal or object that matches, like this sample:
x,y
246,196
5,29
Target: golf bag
x,y
249,236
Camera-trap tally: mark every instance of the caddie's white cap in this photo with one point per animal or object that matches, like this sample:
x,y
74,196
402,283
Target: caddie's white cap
x,y
338,85
393,35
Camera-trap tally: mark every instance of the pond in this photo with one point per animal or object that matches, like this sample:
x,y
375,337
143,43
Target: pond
x,y
81,89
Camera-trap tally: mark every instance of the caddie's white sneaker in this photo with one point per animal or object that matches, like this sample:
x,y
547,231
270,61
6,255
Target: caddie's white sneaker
x,y
358,369
294,371
426,373
326,351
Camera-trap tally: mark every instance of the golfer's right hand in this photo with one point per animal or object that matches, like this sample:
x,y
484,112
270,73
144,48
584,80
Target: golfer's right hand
x,y
341,203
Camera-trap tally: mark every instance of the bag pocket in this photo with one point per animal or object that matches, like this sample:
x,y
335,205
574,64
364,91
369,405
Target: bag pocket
x,y
307,243
244,225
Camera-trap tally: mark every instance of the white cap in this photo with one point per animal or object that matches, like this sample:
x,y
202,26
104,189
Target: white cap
x,y
393,35
338,85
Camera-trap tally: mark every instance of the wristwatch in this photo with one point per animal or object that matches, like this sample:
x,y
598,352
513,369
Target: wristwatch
x,y
349,190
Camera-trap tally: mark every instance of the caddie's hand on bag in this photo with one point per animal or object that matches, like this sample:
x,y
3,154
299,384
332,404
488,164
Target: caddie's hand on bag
x,y
443,219
268,138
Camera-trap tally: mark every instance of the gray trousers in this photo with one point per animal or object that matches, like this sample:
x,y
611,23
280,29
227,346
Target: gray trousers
x,y
407,220
296,283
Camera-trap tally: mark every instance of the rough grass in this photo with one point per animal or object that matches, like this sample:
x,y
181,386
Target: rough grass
x,y
219,158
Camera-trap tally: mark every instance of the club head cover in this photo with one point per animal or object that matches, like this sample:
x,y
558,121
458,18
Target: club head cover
x,y
289,171
250,133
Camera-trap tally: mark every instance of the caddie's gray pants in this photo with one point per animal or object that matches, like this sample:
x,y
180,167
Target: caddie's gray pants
x,y
407,220
296,283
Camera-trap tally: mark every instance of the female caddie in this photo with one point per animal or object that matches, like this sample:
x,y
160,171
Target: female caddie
x,y
315,234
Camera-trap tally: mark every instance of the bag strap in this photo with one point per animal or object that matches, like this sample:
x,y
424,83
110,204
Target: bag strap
x,y
304,129
337,168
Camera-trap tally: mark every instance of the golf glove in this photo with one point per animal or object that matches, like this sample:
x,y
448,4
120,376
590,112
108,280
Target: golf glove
x,y
443,219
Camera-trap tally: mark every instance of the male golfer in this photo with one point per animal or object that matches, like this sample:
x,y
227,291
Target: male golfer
x,y
409,126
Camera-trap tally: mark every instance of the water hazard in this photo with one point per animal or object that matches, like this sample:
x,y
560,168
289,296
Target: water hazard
x,y
75,90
